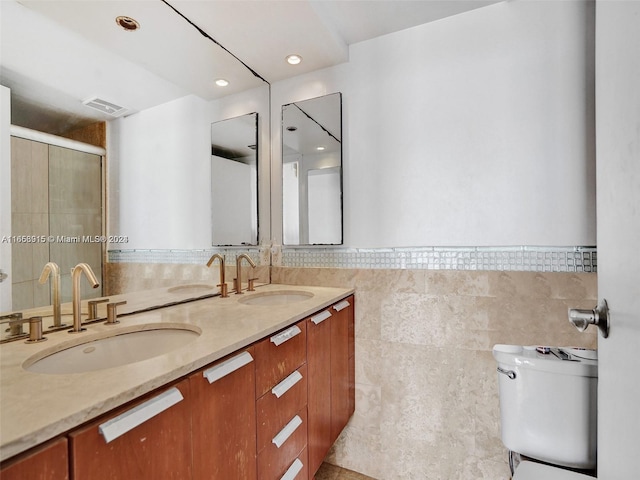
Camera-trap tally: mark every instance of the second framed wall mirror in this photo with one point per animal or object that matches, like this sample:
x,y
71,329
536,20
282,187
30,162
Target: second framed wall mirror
x,y
312,171
234,181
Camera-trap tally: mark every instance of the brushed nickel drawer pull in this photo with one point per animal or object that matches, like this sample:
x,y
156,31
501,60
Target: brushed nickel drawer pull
x,y
288,334
287,431
284,386
321,317
130,419
228,366
341,306
293,470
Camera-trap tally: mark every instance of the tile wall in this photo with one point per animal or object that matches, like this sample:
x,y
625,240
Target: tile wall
x,y
136,270
426,385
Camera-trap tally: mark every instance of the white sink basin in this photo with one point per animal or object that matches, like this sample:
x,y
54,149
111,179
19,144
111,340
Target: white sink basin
x,y
121,347
276,298
196,288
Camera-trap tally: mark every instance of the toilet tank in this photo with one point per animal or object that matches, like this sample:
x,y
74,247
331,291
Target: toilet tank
x,y
548,403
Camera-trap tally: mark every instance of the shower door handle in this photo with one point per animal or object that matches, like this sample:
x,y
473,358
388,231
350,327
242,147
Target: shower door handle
x,y
599,316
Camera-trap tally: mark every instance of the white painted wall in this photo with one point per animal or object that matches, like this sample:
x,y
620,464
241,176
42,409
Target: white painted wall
x,y
474,130
160,171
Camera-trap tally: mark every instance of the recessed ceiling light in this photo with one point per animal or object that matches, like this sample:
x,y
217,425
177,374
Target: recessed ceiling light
x,y
127,23
292,128
221,82
294,59
320,148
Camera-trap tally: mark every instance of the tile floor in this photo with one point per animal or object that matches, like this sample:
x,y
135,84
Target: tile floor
x,y
331,472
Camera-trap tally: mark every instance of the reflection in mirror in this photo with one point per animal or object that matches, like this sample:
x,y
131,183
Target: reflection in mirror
x,y
54,55
234,181
312,171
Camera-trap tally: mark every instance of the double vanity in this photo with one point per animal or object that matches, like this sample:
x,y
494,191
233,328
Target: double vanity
x,y
252,386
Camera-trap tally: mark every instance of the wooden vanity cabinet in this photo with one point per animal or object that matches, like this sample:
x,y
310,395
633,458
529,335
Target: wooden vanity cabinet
x,y
47,462
331,371
146,440
224,419
270,411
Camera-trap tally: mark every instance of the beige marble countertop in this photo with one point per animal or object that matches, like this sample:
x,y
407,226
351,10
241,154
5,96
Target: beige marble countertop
x,y
35,407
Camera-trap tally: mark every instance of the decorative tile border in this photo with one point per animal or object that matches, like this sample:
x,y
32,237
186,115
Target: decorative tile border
x,y
259,255
525,258
536,259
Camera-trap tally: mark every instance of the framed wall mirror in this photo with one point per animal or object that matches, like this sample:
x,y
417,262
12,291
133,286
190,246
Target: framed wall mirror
x,y
312,171
234,181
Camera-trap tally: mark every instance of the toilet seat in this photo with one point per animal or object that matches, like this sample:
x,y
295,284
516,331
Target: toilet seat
x,y
537,471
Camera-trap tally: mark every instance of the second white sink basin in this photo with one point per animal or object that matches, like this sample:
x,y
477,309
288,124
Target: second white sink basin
x,y
122,347
276,298
195,288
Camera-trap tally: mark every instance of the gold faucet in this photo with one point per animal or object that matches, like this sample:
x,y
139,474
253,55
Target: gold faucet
x,y
238,280
76,274
51,270
223,284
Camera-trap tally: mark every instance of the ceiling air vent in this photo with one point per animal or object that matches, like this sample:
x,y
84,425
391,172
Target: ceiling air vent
x,y
105,107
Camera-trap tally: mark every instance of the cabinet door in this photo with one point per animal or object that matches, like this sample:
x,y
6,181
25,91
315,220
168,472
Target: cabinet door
x,y
340,366
49,462
224,419
319,388
146,440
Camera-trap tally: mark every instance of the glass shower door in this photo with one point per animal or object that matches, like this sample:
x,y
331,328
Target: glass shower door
x,y
75,214
56,198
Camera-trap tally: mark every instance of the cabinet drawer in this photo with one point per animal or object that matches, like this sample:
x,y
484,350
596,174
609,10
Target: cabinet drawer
x,y
274,412
279,355
298,470
273,461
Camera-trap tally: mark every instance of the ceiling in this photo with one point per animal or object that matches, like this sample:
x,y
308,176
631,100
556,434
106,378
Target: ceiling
x,y
57,53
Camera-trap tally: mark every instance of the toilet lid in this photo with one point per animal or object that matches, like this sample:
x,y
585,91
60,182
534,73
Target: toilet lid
x,y
536,471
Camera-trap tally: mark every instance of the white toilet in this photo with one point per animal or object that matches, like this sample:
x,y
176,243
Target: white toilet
x,y
548,408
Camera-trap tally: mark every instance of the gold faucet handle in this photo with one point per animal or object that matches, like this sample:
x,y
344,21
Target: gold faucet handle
x,y
224,289
112,313
93,308
251,285
15,325
35,330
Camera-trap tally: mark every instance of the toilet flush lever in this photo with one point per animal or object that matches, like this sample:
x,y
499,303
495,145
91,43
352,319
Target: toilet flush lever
x,y
509,373
599,316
